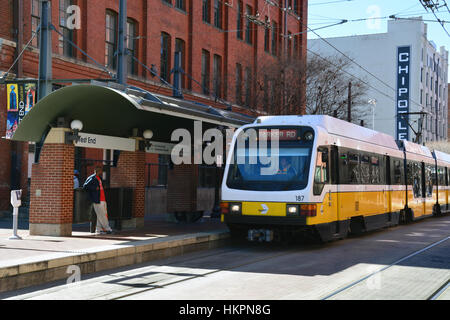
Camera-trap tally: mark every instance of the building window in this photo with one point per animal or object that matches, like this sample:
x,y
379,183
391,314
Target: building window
x,y
35,20
180,46
165,56
274,38
169,2
217,75
205,71
111,39
131,44
266,36
248,31
206,11
181,4
239,20
295,46
218,14
296,7
289,49
247,81
65,48
238,83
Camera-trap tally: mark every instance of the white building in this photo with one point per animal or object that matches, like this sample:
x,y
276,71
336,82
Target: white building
x,y
407,75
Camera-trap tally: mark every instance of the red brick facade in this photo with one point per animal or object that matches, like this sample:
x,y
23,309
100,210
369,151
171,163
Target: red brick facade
x,y
51,190
130,173
152,18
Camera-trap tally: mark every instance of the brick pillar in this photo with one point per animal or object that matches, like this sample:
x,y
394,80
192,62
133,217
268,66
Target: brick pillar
x,y
130,173
51,191
182,188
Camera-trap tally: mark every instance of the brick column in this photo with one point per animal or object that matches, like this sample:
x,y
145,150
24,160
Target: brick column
x,y
182,188
51,191
130,173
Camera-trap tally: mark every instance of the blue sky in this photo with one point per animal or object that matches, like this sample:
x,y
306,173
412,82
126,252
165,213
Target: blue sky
x,y
322,13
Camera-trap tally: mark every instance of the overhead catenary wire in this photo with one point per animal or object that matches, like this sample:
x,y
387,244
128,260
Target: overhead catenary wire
x,y
357,64
21,53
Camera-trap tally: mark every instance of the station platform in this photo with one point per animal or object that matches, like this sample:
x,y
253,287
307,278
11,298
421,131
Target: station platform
x,y
36,260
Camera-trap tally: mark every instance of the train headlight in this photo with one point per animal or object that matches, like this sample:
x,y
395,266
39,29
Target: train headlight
x,y
308,136
292,210
235,208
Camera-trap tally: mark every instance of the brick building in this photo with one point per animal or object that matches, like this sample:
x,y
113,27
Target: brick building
x,y
224,46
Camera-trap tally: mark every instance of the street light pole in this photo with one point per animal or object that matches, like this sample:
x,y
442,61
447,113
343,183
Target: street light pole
x,y
373,102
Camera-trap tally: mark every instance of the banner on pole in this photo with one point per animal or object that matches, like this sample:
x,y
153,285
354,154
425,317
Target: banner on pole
x,y
21,98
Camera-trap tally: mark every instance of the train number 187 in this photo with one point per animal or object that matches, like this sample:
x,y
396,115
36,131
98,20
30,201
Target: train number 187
x,y
299,198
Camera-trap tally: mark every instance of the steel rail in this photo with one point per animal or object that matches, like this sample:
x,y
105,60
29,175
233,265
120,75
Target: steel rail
x,y
386,267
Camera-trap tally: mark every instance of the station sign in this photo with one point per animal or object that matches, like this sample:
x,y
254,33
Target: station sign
x,y
160,147
88,140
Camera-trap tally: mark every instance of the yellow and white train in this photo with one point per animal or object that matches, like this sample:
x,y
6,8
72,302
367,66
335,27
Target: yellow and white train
x,y
331,178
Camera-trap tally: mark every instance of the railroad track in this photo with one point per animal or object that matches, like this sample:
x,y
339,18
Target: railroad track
x,y
235,259
434,296
236,266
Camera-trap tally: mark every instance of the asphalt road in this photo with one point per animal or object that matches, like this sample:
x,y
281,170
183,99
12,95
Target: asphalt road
x,y
410,262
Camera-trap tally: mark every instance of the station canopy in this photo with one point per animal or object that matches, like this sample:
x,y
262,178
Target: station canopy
x,y
114,110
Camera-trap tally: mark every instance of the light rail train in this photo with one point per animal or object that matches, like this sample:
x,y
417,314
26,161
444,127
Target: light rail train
x,y
322,177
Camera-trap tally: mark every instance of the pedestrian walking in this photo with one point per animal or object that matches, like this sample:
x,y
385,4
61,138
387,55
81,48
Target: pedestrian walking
x,y
94,186
76,180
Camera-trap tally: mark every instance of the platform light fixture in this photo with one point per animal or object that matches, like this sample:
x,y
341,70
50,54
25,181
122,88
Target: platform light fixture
x,y
73,136
147,134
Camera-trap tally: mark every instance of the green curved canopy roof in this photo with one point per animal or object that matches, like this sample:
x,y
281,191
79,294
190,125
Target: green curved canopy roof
x,y
113,112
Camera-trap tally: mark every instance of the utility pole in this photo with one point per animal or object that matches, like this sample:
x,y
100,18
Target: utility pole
x,y
349,102
18,16
45,53
121,50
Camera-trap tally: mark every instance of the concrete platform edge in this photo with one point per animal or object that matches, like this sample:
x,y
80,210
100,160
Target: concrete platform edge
x,y
35,271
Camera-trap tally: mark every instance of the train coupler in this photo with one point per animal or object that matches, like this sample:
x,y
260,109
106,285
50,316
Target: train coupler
x,y
260,235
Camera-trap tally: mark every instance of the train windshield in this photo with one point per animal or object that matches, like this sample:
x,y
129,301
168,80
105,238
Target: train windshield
x,y
280,168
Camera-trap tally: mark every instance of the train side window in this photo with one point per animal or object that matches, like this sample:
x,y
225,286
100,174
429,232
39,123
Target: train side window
x,y
365,169
353,171
441,176
397,169
446,176
414,174
430,172
321,172
375,174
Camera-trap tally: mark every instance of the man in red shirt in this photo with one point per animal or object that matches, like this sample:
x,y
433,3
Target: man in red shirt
x,y
94,186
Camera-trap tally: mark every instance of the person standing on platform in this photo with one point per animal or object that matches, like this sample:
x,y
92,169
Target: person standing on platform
x,y
76,180
94,186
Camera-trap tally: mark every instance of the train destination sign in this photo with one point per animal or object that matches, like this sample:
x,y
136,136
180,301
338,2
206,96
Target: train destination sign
x,y
403,74
281,134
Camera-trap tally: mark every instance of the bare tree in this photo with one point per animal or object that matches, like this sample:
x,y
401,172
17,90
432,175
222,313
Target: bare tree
x,y
320,86
328,82
281,86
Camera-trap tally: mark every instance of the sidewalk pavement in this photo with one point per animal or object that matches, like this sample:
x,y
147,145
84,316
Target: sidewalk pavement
x,y
37,260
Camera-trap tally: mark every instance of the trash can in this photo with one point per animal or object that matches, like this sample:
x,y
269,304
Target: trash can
x,y
120,204
82,206
118,200
83,210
